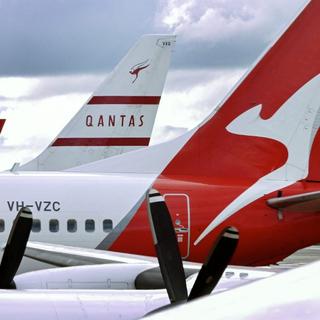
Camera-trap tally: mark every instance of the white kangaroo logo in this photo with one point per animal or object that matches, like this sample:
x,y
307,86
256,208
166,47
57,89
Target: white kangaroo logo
x,y
295,125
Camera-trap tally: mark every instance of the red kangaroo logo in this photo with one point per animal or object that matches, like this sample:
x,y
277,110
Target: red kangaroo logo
x,y
135,70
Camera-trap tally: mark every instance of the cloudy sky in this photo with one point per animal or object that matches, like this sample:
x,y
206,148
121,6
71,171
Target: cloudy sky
x,y
53,53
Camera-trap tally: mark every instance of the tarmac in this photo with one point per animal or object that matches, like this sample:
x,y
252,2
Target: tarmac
x,y
303,256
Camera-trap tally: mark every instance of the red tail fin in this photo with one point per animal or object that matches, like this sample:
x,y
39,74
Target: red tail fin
x,y
279,79
2,122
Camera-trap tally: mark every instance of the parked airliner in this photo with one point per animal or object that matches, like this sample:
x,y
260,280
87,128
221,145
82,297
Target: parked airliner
x,y
126,291
252,164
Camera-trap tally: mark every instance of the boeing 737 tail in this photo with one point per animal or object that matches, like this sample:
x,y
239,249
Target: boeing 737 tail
x,y
269,121
264,136
267,126
119,116
2,122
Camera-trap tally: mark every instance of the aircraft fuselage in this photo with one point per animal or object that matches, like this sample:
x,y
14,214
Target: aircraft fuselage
x,y
109,211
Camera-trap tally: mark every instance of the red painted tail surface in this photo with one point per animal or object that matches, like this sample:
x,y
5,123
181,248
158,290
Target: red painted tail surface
x,y
291,63
2,122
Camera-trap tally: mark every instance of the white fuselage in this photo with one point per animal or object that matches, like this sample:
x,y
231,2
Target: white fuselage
x,y
72,209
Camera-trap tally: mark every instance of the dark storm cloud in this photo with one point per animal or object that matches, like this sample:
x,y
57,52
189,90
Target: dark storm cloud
x,y
48,37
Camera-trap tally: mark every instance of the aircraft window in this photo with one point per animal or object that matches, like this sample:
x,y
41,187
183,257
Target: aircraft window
x,y
36,225
2,225
107,225
229,274
72,225
90,225
54,225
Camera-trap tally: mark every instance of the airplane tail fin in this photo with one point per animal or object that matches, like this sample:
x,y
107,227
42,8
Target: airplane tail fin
x,y
268,125
119,116
264,136
2,122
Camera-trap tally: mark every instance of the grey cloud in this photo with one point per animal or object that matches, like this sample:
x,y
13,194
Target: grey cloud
x,y
165,133
188,78
225,33
63,85
58,85
3,108
2,141
31,144
69,36
3,98
45,37
173,130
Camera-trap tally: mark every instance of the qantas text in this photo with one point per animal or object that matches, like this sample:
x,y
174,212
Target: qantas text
x,y
122,120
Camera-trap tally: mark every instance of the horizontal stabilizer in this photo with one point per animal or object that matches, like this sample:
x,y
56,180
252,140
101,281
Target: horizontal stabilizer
x,y
305,202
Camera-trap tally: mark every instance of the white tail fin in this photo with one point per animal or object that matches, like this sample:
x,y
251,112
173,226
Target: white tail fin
x,y
119,116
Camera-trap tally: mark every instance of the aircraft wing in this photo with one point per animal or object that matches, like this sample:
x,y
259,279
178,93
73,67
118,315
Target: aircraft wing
x,y
67,256
288,295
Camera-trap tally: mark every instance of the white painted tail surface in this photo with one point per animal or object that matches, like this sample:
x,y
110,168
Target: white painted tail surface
x,y
119,116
